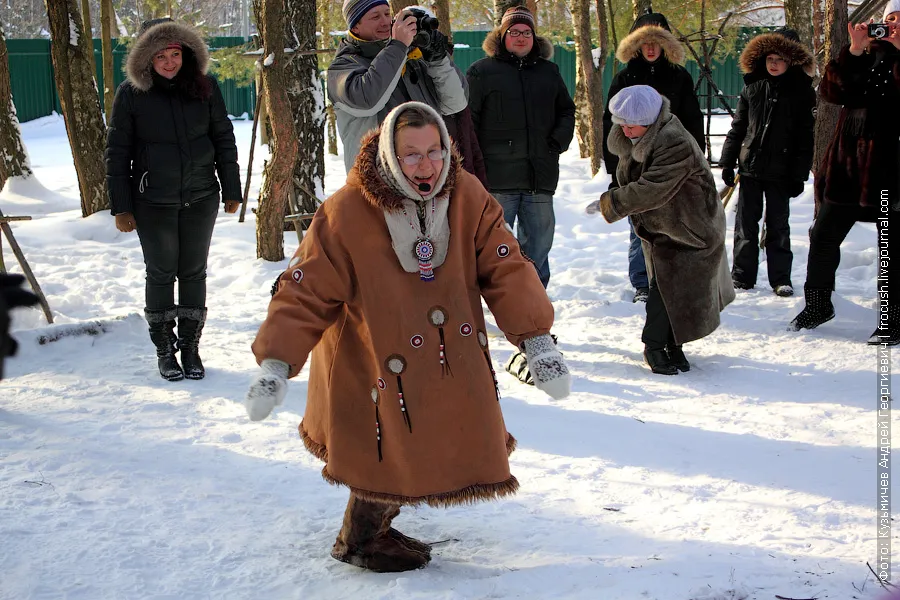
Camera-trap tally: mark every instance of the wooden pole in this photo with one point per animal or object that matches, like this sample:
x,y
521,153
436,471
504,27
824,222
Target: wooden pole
x,y
259,100
26,269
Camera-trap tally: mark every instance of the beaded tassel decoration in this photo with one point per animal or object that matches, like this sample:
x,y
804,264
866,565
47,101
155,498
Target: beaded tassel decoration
x,y
377,420
396,365
437,316
424,253
483,342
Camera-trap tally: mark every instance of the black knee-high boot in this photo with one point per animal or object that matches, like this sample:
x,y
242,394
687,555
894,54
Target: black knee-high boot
x,y
190,327
161,322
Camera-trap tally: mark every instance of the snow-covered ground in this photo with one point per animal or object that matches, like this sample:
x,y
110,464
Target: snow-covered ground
x,y
750,476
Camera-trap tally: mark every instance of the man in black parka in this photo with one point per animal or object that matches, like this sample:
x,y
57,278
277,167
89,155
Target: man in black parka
x,y
524,118
771,137
653,57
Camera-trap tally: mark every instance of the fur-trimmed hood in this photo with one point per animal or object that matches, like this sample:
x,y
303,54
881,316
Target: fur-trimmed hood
x,y
379,193
754,55
138,65
630,46
493,47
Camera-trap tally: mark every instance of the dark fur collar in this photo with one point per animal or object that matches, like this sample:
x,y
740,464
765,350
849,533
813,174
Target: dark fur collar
x,y
138,65
378,192
753,57
493,47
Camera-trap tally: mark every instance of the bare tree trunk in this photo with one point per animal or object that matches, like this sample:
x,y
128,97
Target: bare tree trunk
x,y
73,68
307,100
595,91
398,5
278,173
86,15
640,7
612,30
13,157
584,69
798,14
106,26
501,6
332,130
819,34
442,12
532,6
836,38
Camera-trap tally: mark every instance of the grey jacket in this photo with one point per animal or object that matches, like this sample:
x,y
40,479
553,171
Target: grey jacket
x,y
367,80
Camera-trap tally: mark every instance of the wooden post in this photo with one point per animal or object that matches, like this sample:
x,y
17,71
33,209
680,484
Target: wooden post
x,y
259,101
26,269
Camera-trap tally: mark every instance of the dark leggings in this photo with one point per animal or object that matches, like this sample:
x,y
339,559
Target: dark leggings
x,y
175,242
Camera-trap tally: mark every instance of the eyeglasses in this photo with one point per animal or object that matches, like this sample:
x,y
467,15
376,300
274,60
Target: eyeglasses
x,y
414,159
527,33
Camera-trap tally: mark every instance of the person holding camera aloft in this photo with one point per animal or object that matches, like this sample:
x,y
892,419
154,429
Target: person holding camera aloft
x,y
772,137
383,63
857,178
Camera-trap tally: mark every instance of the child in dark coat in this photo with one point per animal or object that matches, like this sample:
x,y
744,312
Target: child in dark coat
x,y
771,139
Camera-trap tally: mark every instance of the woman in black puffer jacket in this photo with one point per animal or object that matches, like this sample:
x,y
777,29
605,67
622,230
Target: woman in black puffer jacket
x,y
169,136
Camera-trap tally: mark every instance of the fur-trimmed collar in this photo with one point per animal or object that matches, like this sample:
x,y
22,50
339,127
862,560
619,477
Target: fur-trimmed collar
x,y
375,189
621,146
493,47
630,46
753,57
138,65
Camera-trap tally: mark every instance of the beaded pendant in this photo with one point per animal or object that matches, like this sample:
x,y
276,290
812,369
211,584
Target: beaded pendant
x,y
425,253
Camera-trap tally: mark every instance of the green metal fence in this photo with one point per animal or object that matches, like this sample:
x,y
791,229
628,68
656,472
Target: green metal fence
x,y
34,91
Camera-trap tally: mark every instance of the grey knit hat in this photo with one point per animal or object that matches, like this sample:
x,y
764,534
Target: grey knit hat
x,y
354,10
892,6
636,105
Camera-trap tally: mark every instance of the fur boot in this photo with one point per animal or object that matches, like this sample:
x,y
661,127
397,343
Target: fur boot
x,y
365,540
161,323
190,327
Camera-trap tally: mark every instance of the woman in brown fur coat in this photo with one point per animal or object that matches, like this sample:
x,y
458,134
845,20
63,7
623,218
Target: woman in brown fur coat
x,y
385,292
857,179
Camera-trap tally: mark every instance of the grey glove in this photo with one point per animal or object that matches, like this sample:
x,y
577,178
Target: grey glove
x,y
268,389
547,366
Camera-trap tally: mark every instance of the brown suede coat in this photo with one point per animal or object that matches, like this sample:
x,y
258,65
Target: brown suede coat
x,y
346,299
670,194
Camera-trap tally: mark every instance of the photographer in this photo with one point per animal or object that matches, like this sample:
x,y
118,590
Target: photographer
x,y
859,171
383,63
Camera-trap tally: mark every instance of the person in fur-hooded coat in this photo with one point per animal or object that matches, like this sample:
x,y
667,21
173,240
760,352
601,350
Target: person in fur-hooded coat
x,y
858,178
169,137
772,137
385,292
669,192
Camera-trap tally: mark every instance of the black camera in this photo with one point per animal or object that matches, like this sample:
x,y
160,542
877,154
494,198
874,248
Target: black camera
x,y
425,24
879,30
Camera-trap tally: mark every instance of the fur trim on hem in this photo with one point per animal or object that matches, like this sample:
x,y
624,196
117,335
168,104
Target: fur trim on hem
x,y
754,55
466,495
630,46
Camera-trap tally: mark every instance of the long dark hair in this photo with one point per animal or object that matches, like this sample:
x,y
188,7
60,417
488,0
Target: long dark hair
x,y
190,81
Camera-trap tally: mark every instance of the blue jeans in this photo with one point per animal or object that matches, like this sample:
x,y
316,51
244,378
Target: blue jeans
x,y
637,269
536,225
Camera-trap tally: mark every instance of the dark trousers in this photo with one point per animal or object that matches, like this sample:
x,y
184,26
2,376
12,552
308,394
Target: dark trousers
x,y
657,332
175,242
778,231
833,223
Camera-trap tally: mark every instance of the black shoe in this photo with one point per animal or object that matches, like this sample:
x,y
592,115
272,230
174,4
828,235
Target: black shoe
x,y
784,290
678,359
740,285
818,310
161,323
190,327
659,362
641,294
890,335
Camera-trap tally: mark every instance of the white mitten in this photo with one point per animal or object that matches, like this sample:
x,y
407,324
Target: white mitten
x,y
268,389
547,366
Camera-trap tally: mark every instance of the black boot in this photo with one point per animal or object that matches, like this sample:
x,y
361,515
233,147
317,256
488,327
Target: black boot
x,y
659,361
162,333
677,358
190,326
890,334
818,310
